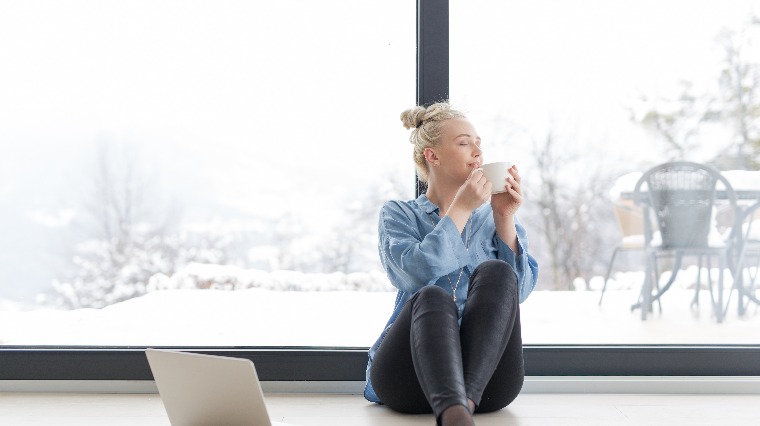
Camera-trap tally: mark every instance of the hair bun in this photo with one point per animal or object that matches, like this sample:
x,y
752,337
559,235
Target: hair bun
x,y
413,117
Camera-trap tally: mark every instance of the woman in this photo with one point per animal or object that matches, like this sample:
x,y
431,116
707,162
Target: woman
x,y
452,345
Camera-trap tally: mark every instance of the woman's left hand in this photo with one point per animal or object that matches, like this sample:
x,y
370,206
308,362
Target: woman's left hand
x,y
506,203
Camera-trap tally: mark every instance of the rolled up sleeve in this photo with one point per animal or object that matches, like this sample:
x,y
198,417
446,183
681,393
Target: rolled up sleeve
x,y
411,260
524,265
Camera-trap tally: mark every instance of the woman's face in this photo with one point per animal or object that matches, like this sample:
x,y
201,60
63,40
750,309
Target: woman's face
x,y
459,150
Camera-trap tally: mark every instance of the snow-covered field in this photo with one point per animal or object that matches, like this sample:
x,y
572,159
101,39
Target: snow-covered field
x,y
261,317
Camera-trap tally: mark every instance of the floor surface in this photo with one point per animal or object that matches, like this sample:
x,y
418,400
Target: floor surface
x,y
21,409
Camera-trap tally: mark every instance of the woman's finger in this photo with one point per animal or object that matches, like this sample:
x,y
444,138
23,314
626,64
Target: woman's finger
x,y
516,195
487,188
515,174
513,183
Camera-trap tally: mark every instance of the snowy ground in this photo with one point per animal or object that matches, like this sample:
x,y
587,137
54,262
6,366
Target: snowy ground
x,y
259,317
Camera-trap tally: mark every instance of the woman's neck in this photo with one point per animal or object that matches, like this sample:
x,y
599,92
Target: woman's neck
x,y
441,195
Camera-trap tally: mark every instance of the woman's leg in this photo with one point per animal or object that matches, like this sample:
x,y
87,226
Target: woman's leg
x,y
490,337
418,366
507,380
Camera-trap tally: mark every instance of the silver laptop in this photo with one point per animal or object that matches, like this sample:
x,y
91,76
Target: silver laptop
x,y
208,390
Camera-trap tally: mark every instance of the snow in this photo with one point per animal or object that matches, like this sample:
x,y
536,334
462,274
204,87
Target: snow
x,y
252,317
198,275
743,180
265,317
625,183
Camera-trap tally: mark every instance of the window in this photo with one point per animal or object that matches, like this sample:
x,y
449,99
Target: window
x,y
25,357
199,174
582,96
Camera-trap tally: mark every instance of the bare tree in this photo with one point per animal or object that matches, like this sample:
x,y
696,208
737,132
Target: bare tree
x,y
293,250
107,265
129,238
676,122
736,105
739,97
568,217
353,243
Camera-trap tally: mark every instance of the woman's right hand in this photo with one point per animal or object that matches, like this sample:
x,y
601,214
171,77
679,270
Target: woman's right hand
x,y
472,194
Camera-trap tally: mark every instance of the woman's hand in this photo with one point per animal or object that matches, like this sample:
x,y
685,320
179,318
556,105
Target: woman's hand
x,y
506,203
471,195
504,207
473,192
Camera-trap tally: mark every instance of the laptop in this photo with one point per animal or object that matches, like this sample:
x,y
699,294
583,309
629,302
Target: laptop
x,y
208,390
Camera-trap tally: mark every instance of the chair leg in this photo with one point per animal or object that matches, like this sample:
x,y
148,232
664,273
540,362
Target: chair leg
x,y
747,290
751,295
698,288
739,286
646,289
656,268
709,280
750,291
673,275
719,306
609,271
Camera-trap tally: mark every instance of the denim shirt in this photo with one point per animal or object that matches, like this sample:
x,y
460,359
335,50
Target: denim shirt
x,y
418,248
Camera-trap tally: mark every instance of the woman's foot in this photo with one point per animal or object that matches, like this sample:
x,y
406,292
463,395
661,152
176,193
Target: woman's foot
x,y
457,415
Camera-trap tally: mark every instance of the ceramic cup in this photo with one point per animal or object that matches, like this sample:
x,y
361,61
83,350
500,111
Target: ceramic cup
x,y
497,174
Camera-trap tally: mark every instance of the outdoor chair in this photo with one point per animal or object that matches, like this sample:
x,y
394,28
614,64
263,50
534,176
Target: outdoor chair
x,y
747,258
630,220
681,198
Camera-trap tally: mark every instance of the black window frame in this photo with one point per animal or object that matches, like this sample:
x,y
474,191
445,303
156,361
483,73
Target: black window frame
x,y
348,364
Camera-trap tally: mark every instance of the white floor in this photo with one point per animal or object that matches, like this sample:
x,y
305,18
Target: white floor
x,y
21,409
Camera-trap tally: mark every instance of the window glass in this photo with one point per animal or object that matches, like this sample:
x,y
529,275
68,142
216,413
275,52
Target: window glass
x,y
585,96
200,173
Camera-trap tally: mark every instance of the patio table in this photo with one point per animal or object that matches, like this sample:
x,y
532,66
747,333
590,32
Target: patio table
x,y
746,185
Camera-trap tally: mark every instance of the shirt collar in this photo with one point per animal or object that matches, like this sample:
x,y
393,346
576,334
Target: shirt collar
x,y
425,204
428,207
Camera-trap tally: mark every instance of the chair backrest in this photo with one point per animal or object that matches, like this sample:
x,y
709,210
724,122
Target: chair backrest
x,y
682,196
630,218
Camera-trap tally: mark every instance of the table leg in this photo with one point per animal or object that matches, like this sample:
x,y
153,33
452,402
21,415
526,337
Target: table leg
x,y
719,306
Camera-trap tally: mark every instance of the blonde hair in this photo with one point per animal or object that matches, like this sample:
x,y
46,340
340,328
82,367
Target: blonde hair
x,y
428,126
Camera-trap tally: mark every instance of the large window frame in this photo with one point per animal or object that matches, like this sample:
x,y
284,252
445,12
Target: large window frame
x,y
348,364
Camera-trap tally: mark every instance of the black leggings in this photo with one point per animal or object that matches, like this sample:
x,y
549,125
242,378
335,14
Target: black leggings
x,y
427,362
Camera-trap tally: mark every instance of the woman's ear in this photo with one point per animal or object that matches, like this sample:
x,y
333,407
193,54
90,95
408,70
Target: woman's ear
x,y
431,157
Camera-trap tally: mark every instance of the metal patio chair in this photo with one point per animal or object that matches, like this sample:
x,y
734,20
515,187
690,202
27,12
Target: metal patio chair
x,y
681,197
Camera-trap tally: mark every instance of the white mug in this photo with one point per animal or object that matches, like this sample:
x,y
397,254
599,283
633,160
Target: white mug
x,y
497,174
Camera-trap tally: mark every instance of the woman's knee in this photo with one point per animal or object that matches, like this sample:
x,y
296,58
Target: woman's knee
x,y
497,273
433,293
498,268
433,298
